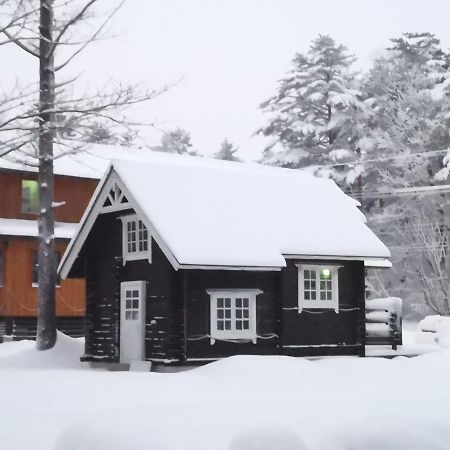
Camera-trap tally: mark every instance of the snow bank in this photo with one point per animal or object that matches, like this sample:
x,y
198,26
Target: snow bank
x,y
111,434
434,328
240,403
376,433
267,437
23,354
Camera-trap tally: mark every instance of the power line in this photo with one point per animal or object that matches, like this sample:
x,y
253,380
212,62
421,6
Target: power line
x,y
387,158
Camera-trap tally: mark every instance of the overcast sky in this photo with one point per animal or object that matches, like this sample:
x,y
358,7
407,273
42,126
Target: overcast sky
x,y
230,53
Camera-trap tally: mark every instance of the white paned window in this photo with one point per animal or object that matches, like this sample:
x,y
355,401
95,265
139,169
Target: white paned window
x,y
136,240
318,287
233,314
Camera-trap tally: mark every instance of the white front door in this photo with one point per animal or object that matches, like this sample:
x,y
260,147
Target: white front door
x,y
132,321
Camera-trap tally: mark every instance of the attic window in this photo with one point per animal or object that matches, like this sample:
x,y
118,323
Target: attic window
x,y
233,314
318,287
30,196
135,239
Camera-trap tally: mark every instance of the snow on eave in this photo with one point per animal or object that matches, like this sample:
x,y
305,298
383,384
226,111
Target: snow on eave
x,y
29,228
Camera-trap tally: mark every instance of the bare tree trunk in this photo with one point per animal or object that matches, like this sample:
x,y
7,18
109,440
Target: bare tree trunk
x,y
46,323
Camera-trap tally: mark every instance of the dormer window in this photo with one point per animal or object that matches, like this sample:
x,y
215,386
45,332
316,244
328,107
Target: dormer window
x,y
30,196
136,240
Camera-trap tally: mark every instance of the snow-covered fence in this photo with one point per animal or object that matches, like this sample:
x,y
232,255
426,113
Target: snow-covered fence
x,y
384,321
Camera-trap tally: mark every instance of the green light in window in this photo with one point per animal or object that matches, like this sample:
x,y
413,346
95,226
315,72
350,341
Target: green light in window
x,y
325,274
30,196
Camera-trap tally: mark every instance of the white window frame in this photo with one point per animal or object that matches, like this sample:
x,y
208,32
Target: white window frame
x,y
134,256
318,304
233,334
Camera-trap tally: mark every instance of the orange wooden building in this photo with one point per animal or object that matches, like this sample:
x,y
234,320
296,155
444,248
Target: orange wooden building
x,y
19,198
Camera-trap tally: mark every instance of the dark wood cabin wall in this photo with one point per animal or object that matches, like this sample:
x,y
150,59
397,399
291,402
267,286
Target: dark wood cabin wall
x,y
342,331
198,344
75,192
105,271
18,297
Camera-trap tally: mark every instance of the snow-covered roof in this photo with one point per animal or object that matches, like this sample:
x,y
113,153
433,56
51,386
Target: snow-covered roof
x,y
215,213
20,227
91,163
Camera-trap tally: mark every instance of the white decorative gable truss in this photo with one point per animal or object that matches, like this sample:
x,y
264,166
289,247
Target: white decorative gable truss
x,y
111,195
115,200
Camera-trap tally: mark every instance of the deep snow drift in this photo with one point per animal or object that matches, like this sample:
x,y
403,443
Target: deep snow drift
x,y
241,403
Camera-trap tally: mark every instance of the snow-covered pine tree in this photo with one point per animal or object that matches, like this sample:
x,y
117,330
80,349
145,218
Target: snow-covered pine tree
x,y
317,113
227,151
406,88
176,141
405,139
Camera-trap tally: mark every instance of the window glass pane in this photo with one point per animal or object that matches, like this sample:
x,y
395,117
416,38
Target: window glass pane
x,y
313,295
323,295
220,302
136,294
35,268
239,314
30,196
239,325
228,303
325,274
238,302
307,295
245,302
128,304
220,325
134,315
228,325
246,325
136,304
246,313
127,315
228,314
220,314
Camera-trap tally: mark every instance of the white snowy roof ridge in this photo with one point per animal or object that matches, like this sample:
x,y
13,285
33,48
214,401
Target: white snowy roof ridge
x,y
209,213
29,228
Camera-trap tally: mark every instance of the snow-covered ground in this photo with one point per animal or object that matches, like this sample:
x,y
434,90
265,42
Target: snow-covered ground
x,y
51,401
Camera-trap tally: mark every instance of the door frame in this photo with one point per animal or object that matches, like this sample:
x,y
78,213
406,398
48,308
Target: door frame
x,y
142,287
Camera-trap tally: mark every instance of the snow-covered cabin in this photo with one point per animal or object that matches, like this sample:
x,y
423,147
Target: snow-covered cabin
x,y
189,260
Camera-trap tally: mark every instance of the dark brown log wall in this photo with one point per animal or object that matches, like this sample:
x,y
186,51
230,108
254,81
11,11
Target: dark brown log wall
x,y
105,272
198,343
336,333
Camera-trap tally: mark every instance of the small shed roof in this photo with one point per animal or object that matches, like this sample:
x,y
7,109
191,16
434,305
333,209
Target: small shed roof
x,y
219,213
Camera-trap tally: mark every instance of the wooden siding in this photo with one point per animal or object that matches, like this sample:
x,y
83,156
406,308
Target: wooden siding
x,y
323,331
18,297
104,273
198,343
75,192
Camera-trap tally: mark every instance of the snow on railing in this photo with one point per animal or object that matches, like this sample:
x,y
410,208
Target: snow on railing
x,y
384,321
